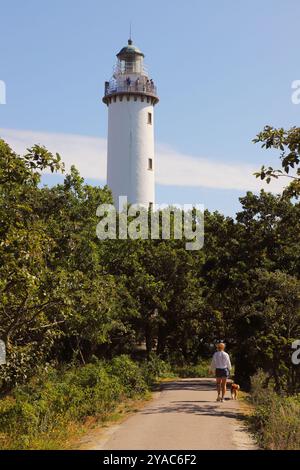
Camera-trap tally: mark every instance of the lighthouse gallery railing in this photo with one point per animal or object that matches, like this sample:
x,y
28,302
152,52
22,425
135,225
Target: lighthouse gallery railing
x,y
113,87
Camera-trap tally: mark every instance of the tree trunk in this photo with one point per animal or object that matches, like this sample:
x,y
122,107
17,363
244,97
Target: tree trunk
x,y
148,339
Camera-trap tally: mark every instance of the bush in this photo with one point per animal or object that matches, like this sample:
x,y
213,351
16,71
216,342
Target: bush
x,y
276,420
189,370
37,415
129,374
155,368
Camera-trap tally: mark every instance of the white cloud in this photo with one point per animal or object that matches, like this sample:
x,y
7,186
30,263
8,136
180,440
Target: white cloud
x,y
178,169
88,154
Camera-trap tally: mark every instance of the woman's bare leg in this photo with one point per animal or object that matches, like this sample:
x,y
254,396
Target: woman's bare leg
x,y
218,380
223,386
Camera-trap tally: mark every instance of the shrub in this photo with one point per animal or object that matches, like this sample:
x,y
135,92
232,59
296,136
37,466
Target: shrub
x,y
155,368
189,370
276,420
129,374
37,414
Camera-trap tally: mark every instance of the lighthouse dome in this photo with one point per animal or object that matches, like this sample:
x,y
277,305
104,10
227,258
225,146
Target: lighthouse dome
x,y
129,51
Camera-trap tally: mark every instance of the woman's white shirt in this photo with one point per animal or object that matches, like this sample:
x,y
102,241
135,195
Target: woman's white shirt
x,y
220,360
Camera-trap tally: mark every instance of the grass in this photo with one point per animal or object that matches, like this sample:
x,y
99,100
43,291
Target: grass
x,y
276,418
89,435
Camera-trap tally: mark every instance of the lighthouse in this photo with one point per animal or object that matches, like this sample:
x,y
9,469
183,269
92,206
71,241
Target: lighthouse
x,y
130,96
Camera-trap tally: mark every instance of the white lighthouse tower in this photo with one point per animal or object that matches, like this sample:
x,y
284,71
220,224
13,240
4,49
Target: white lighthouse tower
x,y
131,96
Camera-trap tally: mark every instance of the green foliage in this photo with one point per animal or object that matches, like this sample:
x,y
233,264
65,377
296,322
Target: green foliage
x,y
40,412
68,297
276,419
197,370
155,368
288,142
65,295
56,301
268,325
129,374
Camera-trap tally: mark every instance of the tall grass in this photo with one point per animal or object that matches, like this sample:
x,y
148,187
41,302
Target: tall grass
x,y
276,420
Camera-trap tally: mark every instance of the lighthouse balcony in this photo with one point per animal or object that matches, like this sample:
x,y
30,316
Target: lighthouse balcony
x,y
130,87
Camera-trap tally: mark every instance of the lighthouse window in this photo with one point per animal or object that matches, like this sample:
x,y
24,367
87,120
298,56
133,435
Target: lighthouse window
x,y
150,164
149,118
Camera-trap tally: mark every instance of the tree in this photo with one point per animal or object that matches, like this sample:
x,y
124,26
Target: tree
x,y
55,299
288,142
267,326
30,311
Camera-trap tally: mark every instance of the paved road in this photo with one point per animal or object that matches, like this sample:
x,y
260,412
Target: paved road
x,y
183,415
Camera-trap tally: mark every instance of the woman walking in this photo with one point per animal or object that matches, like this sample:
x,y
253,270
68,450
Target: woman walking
x,y
221,365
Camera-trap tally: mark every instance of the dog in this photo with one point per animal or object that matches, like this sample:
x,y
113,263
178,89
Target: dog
x,y
234,391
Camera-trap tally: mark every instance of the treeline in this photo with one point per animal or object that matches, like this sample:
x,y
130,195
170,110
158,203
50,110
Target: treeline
x,y
67,297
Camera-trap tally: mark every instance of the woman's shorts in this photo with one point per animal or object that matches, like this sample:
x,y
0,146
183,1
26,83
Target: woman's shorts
x,y
222,373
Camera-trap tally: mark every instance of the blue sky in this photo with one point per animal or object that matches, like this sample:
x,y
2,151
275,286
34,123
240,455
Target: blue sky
x,y
223,68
